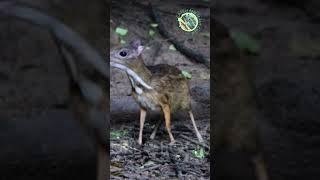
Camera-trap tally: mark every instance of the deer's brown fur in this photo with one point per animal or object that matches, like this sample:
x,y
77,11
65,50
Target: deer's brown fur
x,y
170,90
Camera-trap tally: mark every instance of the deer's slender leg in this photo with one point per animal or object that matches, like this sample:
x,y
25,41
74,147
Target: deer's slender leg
x,y
156,128
143,113
195,127
167,117
260,167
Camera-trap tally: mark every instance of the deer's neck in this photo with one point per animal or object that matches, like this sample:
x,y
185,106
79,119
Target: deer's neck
x,y
141,70
144,75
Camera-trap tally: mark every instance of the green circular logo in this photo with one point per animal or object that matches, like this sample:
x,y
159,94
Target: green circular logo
x,y
188,20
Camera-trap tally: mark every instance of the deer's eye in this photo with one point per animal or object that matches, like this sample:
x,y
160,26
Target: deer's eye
x,y
123,53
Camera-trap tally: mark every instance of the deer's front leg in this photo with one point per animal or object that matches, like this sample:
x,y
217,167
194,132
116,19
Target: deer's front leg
x,y
143,113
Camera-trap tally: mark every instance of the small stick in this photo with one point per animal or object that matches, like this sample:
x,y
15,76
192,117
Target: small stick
x,y
127,146
152,167
194,141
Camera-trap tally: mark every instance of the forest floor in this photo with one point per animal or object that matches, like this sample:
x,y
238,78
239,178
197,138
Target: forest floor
x,y
155,159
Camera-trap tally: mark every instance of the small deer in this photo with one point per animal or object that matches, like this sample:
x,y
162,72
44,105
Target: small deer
x,y
159,87
234,121
89,96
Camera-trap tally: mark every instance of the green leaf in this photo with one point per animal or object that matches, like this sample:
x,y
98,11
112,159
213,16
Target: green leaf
x,y
186,74
151,33
199,154
122,41
121,31
172,48
154,25
204,76
118,134
157,174
206,34
245,42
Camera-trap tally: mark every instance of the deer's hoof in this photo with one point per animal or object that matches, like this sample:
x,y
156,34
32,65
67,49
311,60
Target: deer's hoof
x,y
172,143
152,136
201,140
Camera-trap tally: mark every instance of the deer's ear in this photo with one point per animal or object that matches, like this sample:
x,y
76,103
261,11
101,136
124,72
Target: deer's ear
x,y
136,45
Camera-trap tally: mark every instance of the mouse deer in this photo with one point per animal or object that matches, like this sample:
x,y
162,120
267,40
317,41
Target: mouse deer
x,y
234,121
157,88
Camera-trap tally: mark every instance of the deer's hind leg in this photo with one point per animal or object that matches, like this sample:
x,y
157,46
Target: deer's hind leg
x,y
167,116
195,127
156,128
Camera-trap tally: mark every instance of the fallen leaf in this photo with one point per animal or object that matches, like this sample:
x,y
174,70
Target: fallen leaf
x,y
118,134
245,42
206,34
172,48
121,31
122,41
151,33
154,25
186,74
204,76
199,154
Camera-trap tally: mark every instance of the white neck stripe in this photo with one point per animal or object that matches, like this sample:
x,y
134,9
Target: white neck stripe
x,y
131,73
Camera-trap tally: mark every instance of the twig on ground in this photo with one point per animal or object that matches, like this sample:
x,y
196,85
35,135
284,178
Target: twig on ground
x,y
194,141
152,167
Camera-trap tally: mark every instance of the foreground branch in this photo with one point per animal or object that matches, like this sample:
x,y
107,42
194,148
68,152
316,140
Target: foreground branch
x,y
74,42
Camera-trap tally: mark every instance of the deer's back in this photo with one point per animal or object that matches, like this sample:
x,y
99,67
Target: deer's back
x,y
169,88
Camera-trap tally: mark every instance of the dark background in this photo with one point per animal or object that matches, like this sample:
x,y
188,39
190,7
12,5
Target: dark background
x,y
286,80
39,138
